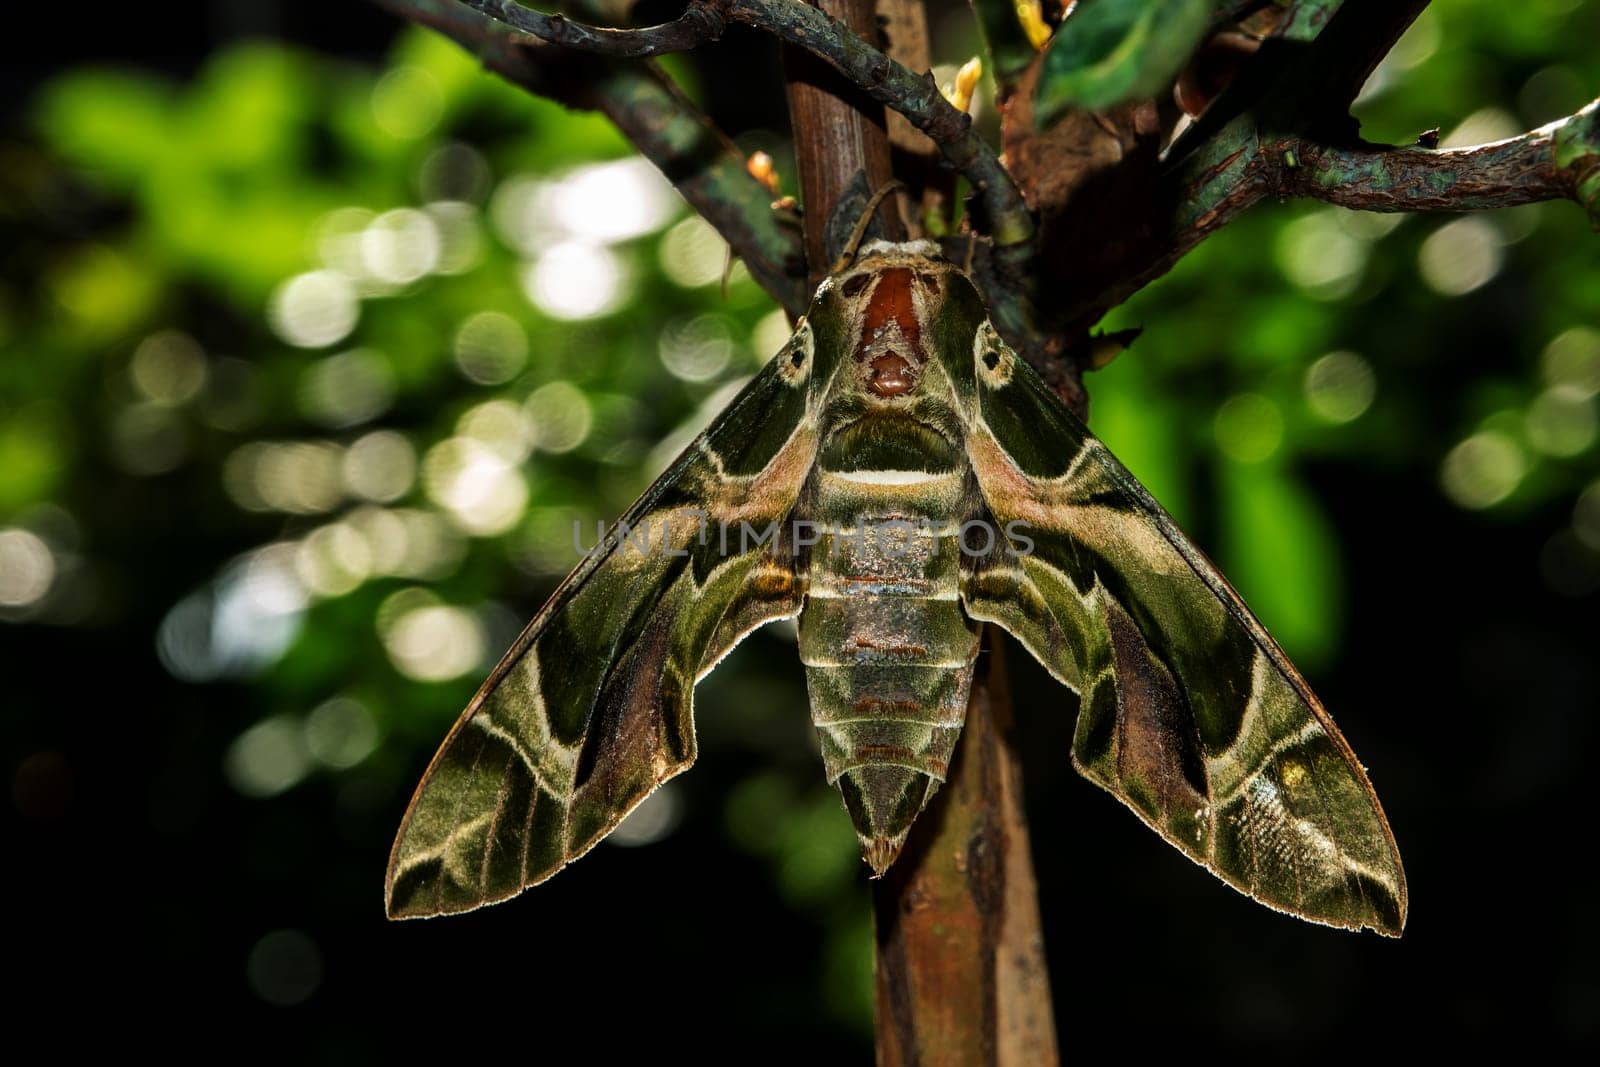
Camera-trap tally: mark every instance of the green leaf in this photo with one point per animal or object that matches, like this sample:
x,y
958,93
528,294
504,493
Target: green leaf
x,y
1110,51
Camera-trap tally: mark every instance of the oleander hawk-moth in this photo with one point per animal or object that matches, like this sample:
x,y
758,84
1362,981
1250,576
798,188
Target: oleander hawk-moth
x,y
906,478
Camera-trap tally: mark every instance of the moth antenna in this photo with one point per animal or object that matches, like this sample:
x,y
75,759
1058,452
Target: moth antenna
x,y
860,231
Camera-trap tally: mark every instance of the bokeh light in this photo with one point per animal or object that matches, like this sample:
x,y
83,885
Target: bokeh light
x,y
314,309
1561,421
1248,427
1570,565
298,477
408,542
407,102
284,968
268,758
561,416
27,568
1460,256
697,349
771,333
400,246
460,236
238,624
504,427
480,489
147,439
1319,254
340,733
455,170
1572,359
490,348
655,818
347,389
1586,516
693,253
427,640
1483,470
338,237
572,280
380,466
168,367
333,560
608,202
1340,386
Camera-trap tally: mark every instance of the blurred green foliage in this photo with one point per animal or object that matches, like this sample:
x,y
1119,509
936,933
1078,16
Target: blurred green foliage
x,y
376,339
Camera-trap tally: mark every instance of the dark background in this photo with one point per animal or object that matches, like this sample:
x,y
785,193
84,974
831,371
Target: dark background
x,y
1454,644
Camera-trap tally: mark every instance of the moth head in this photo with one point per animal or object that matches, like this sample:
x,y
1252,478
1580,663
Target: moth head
x,y
888,303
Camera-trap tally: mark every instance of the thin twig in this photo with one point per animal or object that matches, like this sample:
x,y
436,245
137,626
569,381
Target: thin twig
x,y
1521,170
1283,130
916,97
1560,161
700,24
661,123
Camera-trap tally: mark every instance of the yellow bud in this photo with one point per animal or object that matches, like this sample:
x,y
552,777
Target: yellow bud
x,y
1031,16
761,168
960,93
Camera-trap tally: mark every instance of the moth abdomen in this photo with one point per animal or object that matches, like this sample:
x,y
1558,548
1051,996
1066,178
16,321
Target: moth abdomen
x,y
888,652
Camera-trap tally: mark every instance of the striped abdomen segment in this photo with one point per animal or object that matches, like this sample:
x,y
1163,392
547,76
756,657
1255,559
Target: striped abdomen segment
x,y
888,653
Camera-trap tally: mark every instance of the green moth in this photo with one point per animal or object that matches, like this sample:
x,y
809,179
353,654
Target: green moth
x,y
894,477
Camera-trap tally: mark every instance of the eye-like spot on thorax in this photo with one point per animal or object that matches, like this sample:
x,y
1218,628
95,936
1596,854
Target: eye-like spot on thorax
x,y
794,362
856,285
928,281
995,361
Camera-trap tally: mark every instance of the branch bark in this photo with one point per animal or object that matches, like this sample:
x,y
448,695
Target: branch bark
x,y
839,132
1553,162
961,976
701,23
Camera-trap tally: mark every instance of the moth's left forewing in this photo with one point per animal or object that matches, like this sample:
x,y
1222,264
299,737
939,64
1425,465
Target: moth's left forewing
x,y
1190,713
591,709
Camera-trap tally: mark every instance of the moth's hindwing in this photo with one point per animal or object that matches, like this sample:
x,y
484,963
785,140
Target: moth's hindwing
x,y
591,709
1190,714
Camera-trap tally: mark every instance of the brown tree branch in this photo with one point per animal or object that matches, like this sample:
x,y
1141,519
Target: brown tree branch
x,y
927,200
961,976
660,122
839,132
